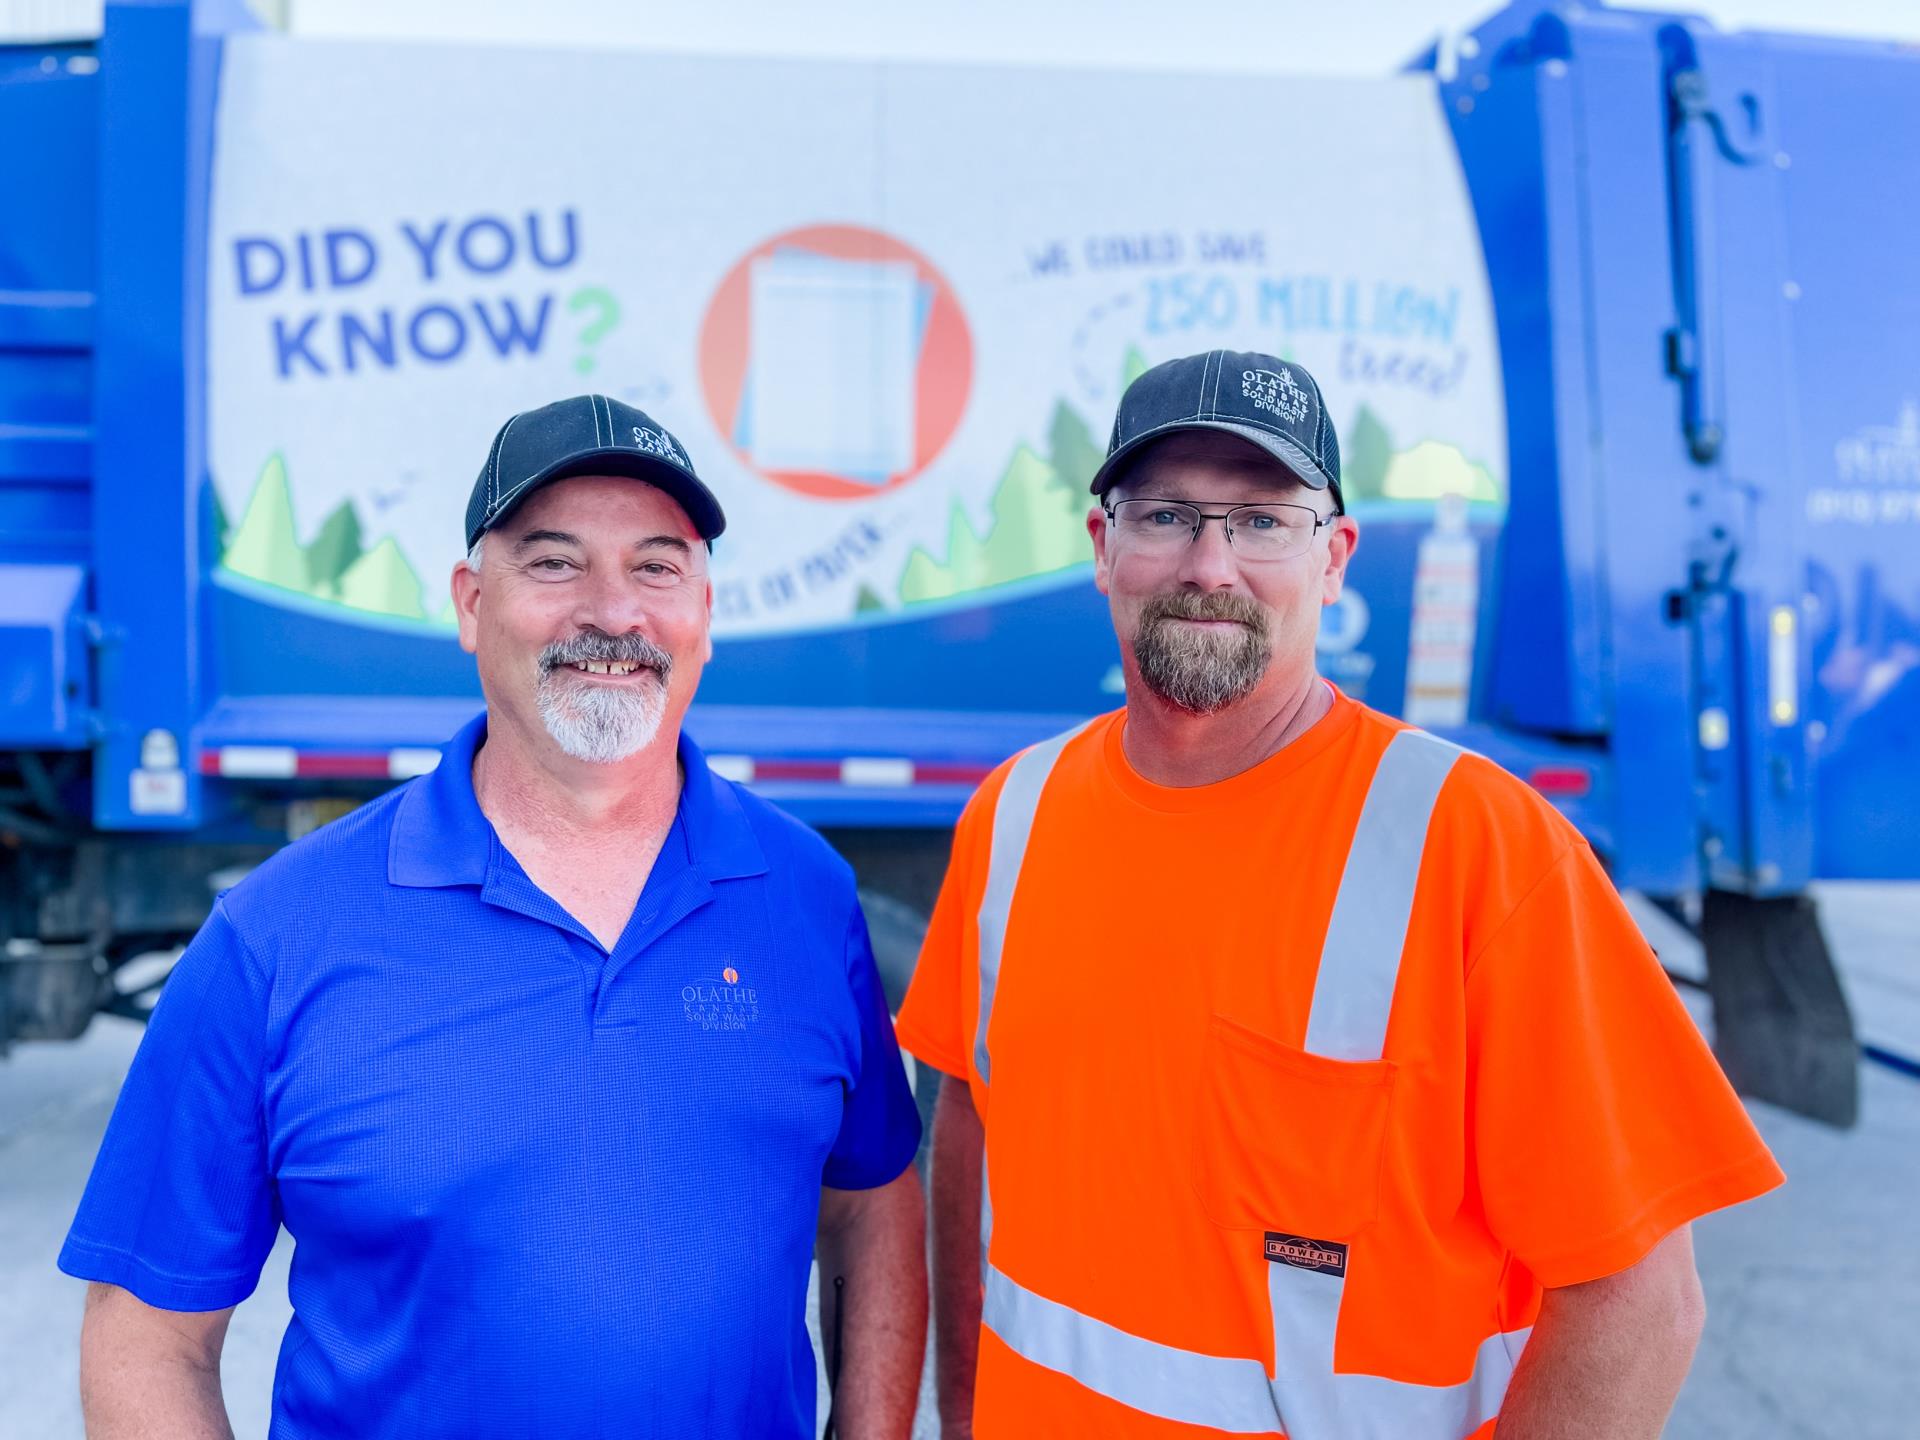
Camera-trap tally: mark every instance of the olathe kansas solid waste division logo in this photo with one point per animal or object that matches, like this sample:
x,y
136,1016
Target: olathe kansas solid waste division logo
x,y
723,1004
836,361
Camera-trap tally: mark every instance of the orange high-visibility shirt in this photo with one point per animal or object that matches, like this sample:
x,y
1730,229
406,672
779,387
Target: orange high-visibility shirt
x,y
1175,1163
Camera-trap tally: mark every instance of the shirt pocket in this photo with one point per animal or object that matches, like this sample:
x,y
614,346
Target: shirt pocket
x,y
1285,1140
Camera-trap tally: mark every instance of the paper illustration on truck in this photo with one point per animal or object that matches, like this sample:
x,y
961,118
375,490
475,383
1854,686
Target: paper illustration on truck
x,y
835,344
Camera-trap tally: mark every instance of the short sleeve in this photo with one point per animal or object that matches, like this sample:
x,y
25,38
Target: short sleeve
x,y
936,1018
1600,1120
880,1128
180,1208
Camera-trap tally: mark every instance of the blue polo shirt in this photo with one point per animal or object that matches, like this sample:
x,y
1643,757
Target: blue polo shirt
x,y
535,1188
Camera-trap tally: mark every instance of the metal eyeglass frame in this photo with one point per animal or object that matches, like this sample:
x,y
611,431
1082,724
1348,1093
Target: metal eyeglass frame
x,y
1226,520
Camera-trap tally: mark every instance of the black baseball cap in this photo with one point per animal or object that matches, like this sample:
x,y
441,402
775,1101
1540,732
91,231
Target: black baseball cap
x,y
586,435
1272,402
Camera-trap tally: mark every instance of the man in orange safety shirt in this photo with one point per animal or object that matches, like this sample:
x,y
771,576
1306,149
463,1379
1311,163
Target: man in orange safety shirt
x,y
1308,1076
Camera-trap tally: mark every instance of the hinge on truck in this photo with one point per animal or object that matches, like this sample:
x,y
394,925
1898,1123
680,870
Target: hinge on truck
x,y
1697,132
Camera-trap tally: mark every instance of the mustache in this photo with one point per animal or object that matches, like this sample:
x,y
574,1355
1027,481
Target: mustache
x,y
1213,605
628,649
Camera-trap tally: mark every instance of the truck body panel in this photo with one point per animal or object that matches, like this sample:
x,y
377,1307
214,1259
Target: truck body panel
x,y
1617,320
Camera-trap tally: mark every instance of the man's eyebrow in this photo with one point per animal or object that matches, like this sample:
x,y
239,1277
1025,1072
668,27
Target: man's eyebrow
x,y
544,537
561,537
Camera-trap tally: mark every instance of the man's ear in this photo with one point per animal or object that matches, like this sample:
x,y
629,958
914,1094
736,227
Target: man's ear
x,y
1343,538
1098,528
466,606
709,657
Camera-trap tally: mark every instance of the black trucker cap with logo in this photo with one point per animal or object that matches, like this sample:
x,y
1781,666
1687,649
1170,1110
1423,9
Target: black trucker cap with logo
x,y
1272,402
586,435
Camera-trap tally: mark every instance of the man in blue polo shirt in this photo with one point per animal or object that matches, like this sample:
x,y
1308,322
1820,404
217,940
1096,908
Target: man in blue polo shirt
x,y
556,1063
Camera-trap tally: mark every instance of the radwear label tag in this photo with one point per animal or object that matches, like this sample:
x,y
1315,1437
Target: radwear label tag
x,y
1329,1257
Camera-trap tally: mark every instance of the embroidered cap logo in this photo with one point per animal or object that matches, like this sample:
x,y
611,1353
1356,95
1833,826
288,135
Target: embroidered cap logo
x,y
1275,391
653,442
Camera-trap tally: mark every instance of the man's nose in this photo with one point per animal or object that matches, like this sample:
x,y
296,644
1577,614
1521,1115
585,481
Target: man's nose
x,y
1209,562
611,601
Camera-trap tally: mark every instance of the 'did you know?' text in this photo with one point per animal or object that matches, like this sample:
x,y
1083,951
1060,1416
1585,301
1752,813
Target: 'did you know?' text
x,y
486,288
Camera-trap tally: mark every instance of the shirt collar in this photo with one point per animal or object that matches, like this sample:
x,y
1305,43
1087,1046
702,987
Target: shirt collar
x,y
441,836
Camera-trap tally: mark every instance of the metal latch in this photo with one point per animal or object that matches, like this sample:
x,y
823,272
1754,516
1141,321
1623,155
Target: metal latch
x,y
1697,132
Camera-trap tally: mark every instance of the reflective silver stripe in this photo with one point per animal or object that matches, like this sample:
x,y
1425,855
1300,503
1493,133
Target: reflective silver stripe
x,y
1316,1404
1215,1390
986,1215
1360,960
1012,824
1306,1398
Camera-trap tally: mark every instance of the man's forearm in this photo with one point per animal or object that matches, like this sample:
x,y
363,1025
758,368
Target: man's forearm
x,y
958,1141
1608,1357
875,1241
147,1373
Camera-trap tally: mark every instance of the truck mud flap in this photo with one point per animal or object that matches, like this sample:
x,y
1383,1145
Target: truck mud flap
x,y
1782,1028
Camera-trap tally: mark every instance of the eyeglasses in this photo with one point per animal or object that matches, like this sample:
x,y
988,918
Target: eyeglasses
x,y
1256,532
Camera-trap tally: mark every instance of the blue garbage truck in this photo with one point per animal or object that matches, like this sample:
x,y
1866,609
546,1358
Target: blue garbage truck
x,y
1618,315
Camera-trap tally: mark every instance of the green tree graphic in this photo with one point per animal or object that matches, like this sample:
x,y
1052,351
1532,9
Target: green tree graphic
x,y
1071,450
382,581
1038,513
334,549
927,579
1432,469
1365,457
334,567
1036,529
265,546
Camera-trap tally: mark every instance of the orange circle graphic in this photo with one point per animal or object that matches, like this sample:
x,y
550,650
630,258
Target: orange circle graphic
x,y
732,975
943,367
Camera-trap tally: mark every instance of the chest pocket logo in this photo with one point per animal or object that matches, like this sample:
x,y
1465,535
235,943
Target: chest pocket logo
x,y
1287,1140
727,1002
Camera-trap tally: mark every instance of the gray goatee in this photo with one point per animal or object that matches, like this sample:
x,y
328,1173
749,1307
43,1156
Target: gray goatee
x,y
599,722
